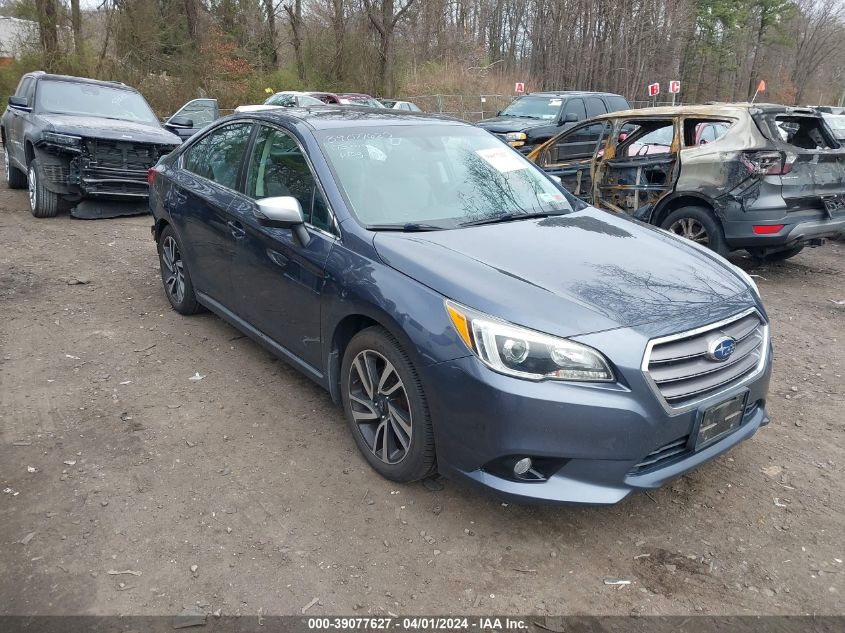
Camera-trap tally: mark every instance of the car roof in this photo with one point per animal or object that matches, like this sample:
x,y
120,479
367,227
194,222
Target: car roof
x,y
350,95
571,93
707,110
40,74
327,117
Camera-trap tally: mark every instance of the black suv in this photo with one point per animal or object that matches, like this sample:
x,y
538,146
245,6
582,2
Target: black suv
x,y
71,139
534,118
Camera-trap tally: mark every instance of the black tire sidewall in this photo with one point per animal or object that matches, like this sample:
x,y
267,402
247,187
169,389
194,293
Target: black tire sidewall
x,y
420,460
710,223
46,202
189,304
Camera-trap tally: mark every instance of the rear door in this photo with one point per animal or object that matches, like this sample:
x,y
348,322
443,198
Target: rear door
x,y
640,167
206,185
570,156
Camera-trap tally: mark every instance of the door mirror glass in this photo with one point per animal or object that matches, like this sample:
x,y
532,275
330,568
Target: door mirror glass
x,y
18,102
280,211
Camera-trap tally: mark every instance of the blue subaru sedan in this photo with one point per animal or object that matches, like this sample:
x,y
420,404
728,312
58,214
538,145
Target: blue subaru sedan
x,y
470,316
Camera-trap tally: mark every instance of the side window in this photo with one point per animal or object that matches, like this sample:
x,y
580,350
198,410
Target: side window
x,y
218,155
201,111
278,167
595,107
703,131
645,138
26,88
575,106
579,142
614,104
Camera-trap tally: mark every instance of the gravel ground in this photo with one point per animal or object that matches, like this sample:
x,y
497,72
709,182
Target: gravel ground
x,y
243,491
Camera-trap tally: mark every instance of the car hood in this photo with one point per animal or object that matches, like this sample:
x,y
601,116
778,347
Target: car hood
x,y
112,129
573,274
503,124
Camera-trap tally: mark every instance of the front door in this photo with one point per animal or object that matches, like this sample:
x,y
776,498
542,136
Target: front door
x,y
206,185
278,278
570,156
641,166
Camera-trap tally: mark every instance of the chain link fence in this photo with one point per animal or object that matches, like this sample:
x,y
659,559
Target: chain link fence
x,y
467,107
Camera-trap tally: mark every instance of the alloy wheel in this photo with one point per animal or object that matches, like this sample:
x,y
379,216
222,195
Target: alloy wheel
x,y
6,163
380,406
691,229
174,271
32,188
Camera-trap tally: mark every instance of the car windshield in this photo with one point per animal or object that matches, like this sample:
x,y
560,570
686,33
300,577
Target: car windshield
x,y
85,99
441,176
534,107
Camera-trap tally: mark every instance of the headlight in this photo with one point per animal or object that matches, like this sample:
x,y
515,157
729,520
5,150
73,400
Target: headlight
x,y
516,351
515,136
62,139
748,279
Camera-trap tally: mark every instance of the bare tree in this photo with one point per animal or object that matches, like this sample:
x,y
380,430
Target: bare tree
x,y
295,17
384,16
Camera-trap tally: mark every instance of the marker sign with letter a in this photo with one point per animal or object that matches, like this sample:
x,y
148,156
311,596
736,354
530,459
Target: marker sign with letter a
x,y
519,87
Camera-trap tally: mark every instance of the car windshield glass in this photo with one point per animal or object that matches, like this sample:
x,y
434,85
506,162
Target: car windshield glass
x,y
439,175
66,97
534,107
362,101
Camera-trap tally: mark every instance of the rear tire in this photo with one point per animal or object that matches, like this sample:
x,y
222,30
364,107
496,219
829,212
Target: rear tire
x,y
15,178
699,225
778,256
175,275
386,408
42,202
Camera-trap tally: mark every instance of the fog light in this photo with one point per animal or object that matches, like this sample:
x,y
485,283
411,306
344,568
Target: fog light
x,y
522,466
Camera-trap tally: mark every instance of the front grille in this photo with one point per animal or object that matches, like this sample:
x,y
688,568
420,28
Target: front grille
x,y
661,456
118,167
684,374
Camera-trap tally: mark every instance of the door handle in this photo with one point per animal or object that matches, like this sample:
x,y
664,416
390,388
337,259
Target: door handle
x,y
237,229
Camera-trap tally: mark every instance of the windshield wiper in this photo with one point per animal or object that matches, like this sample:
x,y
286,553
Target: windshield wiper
x,y
510,217
408,227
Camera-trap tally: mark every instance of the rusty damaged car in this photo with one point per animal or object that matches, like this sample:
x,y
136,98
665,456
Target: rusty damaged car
x,y
82,142
766,178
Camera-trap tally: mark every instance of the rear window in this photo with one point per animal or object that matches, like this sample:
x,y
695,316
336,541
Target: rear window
x,y
616,103
803,131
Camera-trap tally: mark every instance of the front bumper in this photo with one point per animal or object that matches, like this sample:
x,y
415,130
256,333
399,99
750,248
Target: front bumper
x,y
594,436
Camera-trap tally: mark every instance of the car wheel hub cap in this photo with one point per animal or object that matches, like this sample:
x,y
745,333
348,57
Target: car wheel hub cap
x,y
6,163
174,271
380,406
690,229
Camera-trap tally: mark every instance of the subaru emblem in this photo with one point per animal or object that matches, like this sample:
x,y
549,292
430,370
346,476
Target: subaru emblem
x,y
720,349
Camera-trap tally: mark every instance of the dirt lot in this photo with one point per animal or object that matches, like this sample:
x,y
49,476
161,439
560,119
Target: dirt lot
x,y
113,459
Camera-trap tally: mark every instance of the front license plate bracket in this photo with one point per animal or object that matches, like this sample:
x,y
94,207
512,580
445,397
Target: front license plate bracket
x,y
720,420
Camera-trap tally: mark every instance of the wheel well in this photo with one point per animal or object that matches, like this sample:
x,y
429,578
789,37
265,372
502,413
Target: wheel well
x,y
348,327
159,227
677,203
29,153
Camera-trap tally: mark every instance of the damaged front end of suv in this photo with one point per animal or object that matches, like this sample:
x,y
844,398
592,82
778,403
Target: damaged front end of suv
x,y
104,176
81,142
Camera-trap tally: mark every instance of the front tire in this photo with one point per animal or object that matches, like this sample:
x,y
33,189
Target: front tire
x,y
42,202
386,408
175,275
699,225
15,178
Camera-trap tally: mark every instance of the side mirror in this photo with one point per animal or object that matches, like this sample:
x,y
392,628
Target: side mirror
x,y
181,121
570,117
556,179
18,102
283,212
499,113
